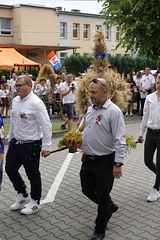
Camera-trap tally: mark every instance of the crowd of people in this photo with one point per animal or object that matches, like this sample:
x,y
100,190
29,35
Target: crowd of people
x,y
63,96
102,157
141,84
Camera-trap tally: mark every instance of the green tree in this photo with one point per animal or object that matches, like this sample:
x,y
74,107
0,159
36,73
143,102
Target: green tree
x,y
140,24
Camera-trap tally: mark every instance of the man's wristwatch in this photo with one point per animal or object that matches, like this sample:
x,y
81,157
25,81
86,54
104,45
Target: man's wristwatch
x,y
118,164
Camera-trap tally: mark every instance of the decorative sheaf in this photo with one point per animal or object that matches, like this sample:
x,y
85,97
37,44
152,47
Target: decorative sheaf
x,y
118,89
47,72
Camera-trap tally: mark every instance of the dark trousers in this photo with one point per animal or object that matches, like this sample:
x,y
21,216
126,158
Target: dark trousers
x,y
142,105
152,143
137,97
28,155
97,181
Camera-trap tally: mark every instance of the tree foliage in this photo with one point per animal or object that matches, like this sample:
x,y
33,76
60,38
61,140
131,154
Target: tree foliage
x,y
140,24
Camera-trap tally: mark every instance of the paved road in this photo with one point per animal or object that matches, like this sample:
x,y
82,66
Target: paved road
x,y
71,216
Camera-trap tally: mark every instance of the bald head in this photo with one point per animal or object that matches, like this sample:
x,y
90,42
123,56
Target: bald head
x,y
101,82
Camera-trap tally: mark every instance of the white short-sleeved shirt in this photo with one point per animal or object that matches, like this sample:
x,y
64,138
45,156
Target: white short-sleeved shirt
x,y
70,97
147,80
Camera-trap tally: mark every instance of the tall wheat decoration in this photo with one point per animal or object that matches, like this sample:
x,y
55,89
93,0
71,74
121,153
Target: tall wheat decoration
x,y
118,88
47,72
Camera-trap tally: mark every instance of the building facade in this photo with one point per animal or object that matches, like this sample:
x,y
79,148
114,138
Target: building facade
x,y
35,30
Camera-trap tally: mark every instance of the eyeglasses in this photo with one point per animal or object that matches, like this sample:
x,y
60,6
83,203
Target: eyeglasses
x,y
98,81
20,85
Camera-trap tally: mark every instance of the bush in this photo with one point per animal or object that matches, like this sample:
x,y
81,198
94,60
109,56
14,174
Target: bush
x,y
127,64
77,64
122,64
8,73
5,72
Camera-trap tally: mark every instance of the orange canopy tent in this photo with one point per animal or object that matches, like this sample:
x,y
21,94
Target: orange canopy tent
x,y
10,58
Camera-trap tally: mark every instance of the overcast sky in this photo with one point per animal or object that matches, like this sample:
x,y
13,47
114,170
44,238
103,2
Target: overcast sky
x,y
85,6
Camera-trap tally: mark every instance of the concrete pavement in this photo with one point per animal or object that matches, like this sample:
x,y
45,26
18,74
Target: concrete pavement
x,y
71,215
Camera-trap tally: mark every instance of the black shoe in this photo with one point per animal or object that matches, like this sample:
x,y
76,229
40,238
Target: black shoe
x,y
97,236
113,209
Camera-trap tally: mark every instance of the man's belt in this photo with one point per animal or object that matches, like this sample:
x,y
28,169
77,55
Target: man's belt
x,y
154,130
95,157
15,141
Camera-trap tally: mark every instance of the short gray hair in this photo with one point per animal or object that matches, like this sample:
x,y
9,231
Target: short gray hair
x,y
26,78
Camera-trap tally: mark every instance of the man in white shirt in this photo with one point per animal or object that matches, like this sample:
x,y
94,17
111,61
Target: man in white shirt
x,y
151,122
11,83
33,82
30,134
57,96
147,85
42,90
137,81
67,91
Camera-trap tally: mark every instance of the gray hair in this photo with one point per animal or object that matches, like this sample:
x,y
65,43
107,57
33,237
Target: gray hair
x,y
26,78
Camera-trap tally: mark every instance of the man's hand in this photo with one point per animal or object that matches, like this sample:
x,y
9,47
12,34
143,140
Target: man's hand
x,y
45,153
140,139
117,172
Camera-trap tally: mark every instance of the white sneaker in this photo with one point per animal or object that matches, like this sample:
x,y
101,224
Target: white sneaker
x,y
31,207
126,114
131,114
20,202
153,195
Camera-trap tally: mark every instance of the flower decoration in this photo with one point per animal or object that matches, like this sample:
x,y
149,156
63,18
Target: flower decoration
x,y
102,56
71,140
130,143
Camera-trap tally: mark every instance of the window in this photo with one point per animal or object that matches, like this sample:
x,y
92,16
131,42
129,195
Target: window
x,y
86,28
63,55
76,30
63,30
98,27
117,33
5,26
108,33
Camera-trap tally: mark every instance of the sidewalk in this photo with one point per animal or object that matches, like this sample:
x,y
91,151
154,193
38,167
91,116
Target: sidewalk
x,y
71,215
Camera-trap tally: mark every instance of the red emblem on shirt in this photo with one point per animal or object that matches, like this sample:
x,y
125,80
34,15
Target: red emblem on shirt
x,y
98,119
